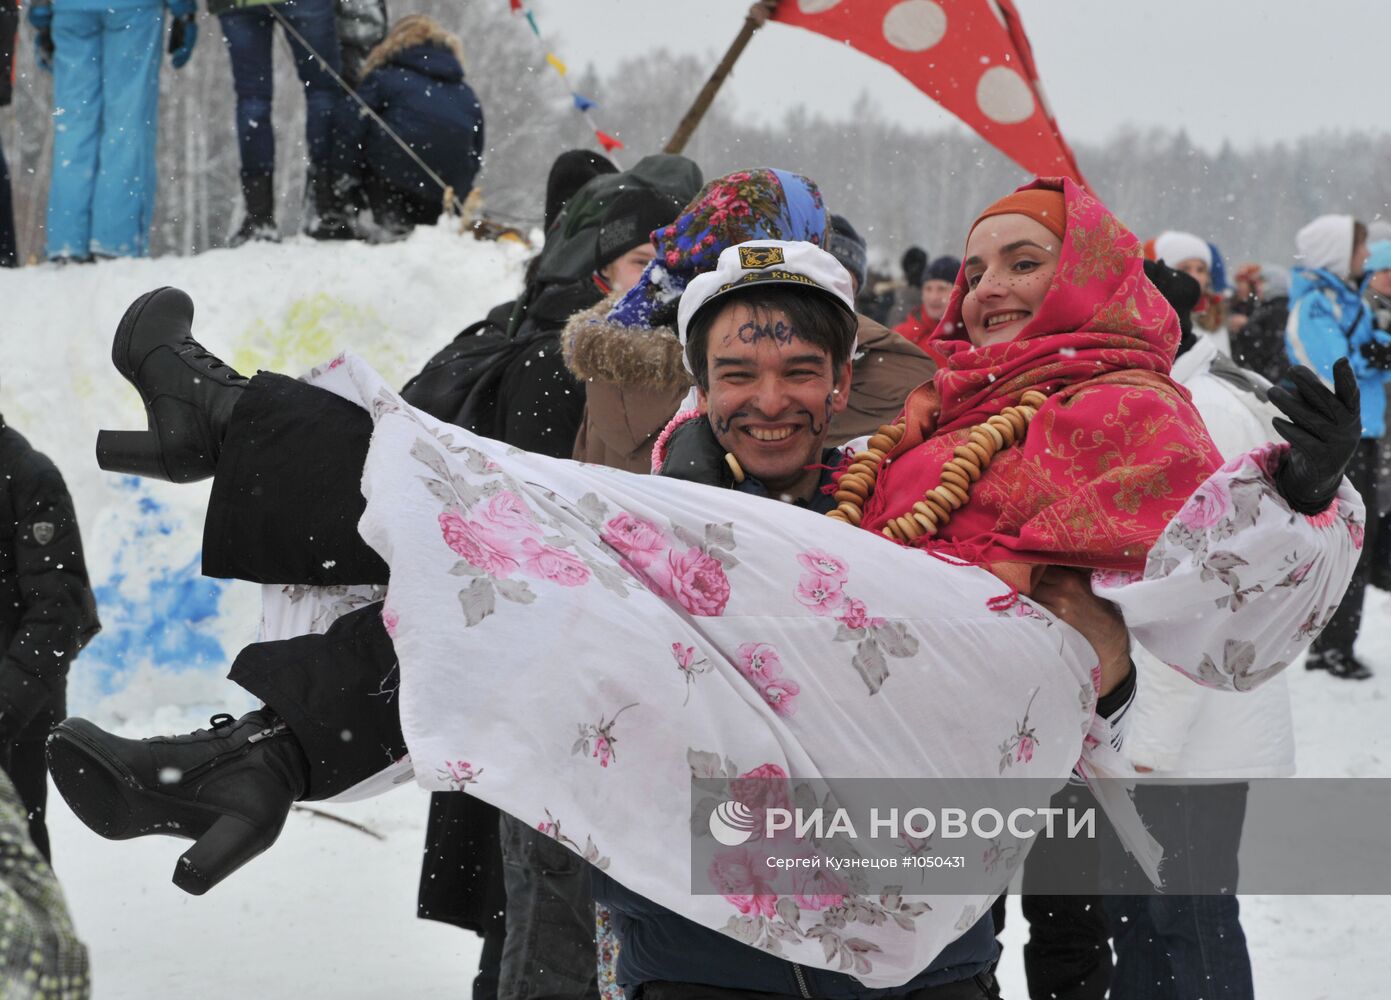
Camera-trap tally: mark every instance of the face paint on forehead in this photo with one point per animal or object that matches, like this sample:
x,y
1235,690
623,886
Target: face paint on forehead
x,y
754,331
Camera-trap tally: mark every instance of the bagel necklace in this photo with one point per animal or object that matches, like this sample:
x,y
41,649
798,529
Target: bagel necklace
x,y
968,462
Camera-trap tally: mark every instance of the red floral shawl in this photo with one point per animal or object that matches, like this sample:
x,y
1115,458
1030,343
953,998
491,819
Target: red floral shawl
x,y
1111,456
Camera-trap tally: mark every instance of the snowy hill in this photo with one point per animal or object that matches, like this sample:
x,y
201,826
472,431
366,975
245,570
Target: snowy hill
x,y
331,911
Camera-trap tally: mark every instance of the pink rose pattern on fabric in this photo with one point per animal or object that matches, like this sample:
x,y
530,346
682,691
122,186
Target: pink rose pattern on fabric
x,y
1208,505
639,541
1019,748
693,577
499,539
596,739
689,664
762,667
821,589
742,876
477,545
459,773
556,565
390,619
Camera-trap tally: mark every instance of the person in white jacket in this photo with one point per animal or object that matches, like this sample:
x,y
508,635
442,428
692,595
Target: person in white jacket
x,y
1179,731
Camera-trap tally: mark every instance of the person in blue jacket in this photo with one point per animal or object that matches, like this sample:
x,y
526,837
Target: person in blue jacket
x,y
414,80
1330,320
104,56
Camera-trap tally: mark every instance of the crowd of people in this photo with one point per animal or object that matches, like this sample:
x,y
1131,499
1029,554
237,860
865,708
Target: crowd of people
x,y
720,359
391,124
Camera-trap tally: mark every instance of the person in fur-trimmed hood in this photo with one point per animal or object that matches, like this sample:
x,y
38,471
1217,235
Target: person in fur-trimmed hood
x,y
415,81
626,351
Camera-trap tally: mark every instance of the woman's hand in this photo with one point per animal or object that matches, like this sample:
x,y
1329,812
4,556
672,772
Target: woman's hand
x,y
1323,430
1067,593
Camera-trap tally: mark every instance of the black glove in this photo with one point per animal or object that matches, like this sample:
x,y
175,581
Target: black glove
x,y
694,454
1378,353
1323,430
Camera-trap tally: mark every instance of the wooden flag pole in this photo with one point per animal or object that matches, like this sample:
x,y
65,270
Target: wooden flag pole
x,y
703,100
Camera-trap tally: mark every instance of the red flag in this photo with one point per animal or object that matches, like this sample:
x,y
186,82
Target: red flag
x,y
970,56
516,6
607,141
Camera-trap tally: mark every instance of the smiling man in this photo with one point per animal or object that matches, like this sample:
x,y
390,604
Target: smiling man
x,y
770,350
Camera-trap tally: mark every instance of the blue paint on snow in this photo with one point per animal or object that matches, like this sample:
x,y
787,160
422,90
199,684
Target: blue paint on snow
x,y
167,623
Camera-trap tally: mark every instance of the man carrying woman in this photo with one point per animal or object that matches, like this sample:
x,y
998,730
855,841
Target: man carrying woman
x,y
735,635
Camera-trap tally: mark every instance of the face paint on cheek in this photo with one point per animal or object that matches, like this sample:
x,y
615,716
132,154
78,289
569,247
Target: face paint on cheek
x,y
724,425
826,415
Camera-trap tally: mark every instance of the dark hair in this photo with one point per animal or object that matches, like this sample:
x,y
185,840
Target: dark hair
x,y
1359,232
818,318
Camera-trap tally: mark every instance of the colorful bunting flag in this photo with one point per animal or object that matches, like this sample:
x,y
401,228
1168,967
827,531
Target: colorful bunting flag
x,y
582,104
970,56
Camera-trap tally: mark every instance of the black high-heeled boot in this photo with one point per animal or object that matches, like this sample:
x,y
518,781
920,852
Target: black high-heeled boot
x,y
229,788
188,393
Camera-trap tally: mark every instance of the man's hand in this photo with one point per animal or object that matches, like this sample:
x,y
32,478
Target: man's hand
x,y
1067,593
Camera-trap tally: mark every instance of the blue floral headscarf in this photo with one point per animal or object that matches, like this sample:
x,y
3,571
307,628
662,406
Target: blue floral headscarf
x,y
742,206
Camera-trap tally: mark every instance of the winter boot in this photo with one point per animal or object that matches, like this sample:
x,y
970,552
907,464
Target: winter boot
x,y
332,218
258,190
1339,664
188,393
229,788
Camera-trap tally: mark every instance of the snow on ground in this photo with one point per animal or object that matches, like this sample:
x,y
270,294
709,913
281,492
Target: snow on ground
x,y
331,910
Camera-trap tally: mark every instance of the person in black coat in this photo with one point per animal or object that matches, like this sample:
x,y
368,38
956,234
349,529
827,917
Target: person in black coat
x,y
47,614
414,80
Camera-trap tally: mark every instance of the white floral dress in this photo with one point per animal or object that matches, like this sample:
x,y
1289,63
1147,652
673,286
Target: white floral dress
x,y
577,643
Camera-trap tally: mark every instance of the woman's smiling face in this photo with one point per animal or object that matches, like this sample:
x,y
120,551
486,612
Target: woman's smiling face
x,y
1010,262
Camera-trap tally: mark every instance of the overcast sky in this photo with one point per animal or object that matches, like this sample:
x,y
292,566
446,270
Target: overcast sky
x,y
1244,70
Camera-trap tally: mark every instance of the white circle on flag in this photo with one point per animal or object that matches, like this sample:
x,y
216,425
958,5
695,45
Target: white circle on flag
x,y
915,25
815,6
1004,97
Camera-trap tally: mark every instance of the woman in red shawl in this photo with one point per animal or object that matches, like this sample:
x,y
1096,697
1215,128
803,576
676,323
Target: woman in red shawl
x,y
1052,297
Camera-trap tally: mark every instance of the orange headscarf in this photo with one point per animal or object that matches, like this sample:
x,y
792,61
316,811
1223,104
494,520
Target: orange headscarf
x,y
1111,456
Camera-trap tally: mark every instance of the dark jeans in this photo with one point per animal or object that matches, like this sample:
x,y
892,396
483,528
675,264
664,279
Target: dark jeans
x,y
8,253
1179,947
549,947
1068,954
249,33
1342,631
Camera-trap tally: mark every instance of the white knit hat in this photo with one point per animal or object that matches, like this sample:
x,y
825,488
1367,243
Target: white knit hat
x,y
1326,243
1173,246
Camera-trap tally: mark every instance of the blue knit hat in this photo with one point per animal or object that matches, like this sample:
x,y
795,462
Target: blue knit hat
x,y
1379,256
